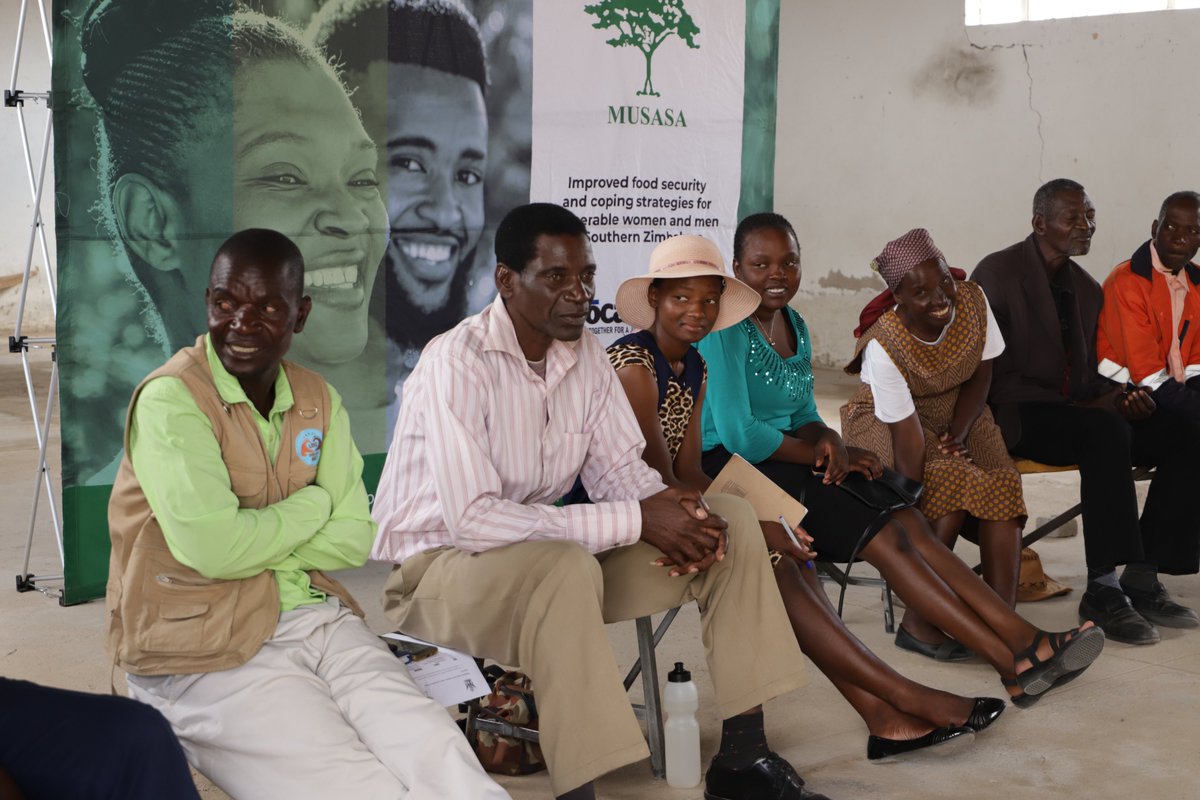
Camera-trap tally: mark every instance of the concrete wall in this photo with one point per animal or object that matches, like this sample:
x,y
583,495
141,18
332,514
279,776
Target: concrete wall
x,y
16,206
895,115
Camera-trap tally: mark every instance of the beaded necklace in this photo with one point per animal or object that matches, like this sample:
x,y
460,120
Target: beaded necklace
x,y
795,373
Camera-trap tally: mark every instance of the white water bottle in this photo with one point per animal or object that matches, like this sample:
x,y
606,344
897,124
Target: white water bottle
x,y
682,732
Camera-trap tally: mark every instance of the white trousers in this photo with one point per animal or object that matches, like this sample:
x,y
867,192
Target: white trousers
x,y
322,711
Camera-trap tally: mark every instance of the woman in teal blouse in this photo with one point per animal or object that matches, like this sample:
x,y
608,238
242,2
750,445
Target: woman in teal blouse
x,y
760,405
760,401
782,403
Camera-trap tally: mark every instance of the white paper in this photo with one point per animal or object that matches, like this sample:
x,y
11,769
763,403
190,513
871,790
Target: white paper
x,y
448,677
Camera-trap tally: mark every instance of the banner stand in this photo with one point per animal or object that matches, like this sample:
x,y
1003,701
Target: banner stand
x,y
18,342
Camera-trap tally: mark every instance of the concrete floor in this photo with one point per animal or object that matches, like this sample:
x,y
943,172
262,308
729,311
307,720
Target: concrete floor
x,y
1129,727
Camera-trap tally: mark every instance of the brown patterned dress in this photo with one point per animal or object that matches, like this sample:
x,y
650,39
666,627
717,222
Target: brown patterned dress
x,y
986,487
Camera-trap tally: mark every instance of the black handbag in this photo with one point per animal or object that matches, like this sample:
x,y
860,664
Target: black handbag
x,y
890,492
887,494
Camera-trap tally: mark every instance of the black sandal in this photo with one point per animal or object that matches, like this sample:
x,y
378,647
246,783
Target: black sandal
x,y
1073,652
1023,700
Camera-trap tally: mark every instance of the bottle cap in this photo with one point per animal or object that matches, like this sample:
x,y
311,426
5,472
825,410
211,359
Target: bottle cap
x,y
679,674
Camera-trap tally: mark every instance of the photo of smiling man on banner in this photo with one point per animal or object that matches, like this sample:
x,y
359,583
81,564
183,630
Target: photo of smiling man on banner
x,y
437,149
437,154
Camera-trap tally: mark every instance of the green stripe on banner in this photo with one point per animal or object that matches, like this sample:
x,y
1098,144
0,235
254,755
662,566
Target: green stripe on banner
x,y
372,468
758,116
86,570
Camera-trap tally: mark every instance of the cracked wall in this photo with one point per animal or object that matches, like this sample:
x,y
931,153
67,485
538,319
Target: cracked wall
x,y
895,115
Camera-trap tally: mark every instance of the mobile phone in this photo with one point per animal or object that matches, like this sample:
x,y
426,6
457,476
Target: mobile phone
x,y
410,651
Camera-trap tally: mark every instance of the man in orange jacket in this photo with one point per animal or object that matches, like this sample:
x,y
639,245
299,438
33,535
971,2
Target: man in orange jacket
x,y
1149,331
1148,336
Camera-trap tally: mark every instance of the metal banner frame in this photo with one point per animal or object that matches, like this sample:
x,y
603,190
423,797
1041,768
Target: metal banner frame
x,y
19,343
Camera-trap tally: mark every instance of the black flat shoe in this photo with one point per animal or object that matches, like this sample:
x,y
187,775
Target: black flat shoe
x,y
946,651
986,711
940,741
769,778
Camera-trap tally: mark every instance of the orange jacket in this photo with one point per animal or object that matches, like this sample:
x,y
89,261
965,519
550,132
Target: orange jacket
x,y
1134,333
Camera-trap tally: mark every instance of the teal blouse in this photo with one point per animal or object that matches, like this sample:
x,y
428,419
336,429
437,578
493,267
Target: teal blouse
x,y
754,395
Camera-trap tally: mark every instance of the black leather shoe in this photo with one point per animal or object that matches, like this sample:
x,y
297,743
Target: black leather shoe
x,y
946,651
1158,607
769,778
879,748
1112,611
986,711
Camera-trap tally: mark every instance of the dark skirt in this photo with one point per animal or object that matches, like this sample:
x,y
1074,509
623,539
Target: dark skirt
x,y
836,519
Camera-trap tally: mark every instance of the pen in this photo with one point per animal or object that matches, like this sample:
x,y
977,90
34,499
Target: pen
x,y
791,535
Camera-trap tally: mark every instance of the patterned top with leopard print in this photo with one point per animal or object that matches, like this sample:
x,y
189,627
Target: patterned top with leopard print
x,y
677,394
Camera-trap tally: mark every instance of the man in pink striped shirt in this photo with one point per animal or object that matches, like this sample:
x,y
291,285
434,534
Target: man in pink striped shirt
x,y
500,416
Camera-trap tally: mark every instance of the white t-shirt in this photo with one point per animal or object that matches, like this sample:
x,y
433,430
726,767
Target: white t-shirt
x,y
893,400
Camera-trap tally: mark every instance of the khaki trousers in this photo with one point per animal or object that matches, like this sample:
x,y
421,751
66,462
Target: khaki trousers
x,y
322,711
543,605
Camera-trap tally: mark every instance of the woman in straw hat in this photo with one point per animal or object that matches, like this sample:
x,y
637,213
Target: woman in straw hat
x,y
924,353
687,294
761,405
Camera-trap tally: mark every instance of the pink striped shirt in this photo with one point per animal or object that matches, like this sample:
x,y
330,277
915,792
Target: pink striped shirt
x,y
484,447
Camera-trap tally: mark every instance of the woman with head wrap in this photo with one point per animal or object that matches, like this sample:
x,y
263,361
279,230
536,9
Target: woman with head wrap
x,y
924,353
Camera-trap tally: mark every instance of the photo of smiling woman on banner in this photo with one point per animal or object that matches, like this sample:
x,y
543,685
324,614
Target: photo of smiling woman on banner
x,y
211,120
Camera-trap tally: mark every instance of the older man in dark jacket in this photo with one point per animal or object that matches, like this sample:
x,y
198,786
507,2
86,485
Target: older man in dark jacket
x,y
1053,406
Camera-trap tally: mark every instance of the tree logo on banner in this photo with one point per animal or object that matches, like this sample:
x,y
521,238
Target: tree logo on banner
x,y
644,24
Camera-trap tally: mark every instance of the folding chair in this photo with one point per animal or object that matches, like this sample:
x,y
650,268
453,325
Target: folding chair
x,y
835,574
648,637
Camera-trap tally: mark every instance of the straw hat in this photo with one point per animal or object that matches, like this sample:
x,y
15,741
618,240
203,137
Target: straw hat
x,y
685,257
1034,583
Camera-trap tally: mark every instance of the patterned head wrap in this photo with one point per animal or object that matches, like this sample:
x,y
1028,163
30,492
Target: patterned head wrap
x,y
899,256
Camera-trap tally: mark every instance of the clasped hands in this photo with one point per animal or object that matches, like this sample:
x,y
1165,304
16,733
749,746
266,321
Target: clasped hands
x,y
678,522
1134,403
950,444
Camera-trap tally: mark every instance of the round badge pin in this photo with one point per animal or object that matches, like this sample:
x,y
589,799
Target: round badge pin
x,y
308,446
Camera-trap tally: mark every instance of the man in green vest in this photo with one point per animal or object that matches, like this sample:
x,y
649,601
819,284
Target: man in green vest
x,y
240,486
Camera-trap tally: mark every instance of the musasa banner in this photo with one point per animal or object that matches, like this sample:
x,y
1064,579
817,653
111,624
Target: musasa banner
x,y
387,138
